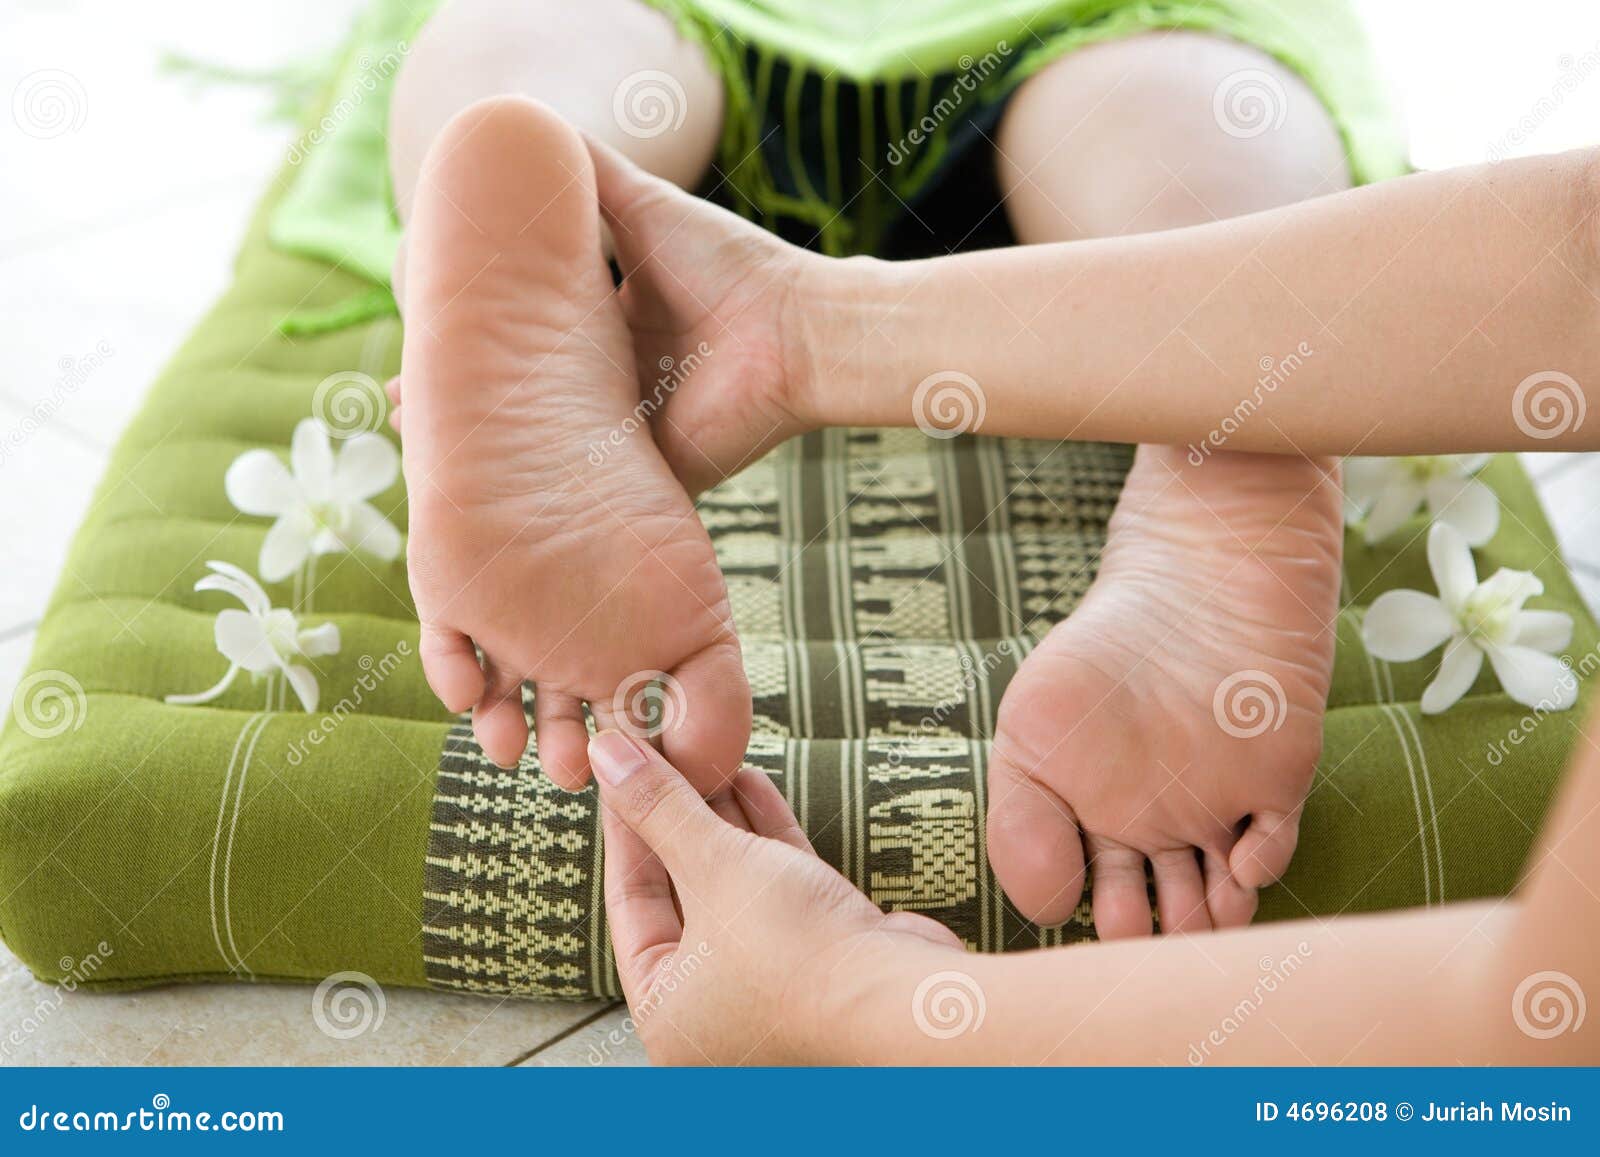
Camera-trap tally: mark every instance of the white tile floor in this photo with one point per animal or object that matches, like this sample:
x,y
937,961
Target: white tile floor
x,y
115,236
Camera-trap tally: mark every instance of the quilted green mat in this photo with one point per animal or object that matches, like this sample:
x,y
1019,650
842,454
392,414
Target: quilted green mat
x,y
885,585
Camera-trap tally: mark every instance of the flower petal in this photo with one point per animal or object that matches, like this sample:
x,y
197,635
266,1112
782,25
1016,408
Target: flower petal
x,y
1457,671
215,691
238,583
285,548
1394,508
259,483
1364,480
1404,625
1450,559
304,684
368,465
1466,504
1548,631
1535,679
319,640
371,532
242,639
311,455
1506,590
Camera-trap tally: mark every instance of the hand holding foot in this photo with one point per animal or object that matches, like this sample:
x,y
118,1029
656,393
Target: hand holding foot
x,y
587,577
1120,739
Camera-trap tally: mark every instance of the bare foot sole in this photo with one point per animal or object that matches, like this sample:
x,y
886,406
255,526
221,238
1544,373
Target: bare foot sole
x,y
1176,716
594,580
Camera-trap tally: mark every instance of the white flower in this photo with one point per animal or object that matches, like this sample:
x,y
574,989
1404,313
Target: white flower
x,y
321,505
1387,492
1474,619
262,639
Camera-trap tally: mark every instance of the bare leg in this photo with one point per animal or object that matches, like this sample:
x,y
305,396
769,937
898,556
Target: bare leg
x,y
1221,576
615,69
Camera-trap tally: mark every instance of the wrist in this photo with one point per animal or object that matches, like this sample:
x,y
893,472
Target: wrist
x,y
833,348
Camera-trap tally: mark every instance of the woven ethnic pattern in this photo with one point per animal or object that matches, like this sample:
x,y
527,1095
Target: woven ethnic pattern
x,y
886,586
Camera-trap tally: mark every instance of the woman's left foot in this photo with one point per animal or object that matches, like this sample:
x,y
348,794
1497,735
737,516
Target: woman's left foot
x,y
1176,716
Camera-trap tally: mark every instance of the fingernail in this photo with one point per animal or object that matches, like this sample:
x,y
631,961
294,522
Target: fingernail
x,y
614,757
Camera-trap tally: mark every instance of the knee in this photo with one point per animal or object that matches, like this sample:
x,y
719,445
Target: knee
x,y
1160,131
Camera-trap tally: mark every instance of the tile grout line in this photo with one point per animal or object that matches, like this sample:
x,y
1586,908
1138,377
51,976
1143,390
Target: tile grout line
x,y
564,1034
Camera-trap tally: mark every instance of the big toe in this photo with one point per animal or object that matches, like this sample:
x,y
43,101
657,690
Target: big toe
x,y
708,729
1034,845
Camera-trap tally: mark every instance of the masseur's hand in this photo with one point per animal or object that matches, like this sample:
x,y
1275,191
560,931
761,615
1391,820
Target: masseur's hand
x,y
767,949
718,310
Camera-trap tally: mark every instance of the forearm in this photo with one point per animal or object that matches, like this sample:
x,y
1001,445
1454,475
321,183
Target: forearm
x,y
1396,318
1400,988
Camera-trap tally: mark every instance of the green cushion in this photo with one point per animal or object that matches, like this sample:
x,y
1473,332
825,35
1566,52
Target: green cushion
x,y
885,584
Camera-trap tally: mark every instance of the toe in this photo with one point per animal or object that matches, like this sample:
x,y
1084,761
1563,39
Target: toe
x,y
1121,897
562,738
1180,891
1034,845
451,666
498,720
708,726
1232,905
1264,851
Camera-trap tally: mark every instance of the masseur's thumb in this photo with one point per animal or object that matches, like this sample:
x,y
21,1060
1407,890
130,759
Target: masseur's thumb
x,y
638,208
652,798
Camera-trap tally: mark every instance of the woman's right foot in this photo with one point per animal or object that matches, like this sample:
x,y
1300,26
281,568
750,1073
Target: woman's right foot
x,y
588,574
